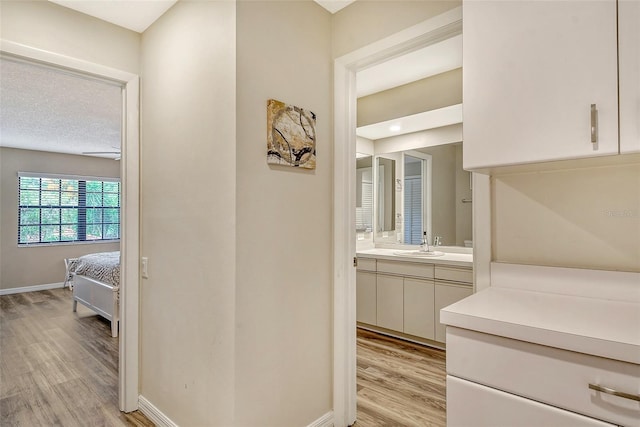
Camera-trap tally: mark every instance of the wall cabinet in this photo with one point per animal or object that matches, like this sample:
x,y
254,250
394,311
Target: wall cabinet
x,y
406,297
533,70
629,59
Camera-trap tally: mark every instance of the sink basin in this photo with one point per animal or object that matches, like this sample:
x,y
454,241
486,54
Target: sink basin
x,y
420,254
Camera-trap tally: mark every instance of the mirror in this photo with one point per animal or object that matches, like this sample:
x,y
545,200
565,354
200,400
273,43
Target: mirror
x,y
364,193
423,189
416,194
386,195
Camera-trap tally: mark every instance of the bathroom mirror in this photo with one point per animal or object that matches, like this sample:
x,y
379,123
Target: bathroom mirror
x,y
385,200
431,192
364,193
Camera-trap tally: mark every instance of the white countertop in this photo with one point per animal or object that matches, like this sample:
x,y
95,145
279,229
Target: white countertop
x,y
599,327
455,259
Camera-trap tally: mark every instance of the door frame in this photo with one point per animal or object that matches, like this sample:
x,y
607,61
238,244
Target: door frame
x,y
428,32
130,229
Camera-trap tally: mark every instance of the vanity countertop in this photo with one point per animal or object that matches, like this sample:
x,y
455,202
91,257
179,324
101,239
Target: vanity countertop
x,y
453,259
595,326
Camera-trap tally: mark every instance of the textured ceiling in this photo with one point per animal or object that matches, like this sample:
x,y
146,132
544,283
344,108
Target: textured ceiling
x,y
47,109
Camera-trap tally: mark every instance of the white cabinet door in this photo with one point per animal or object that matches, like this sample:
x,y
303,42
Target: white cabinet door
x,y
532,70
446,295
471,404
366,297
629,51
390,302
419,318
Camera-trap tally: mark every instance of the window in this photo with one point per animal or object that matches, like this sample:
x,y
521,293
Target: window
x,y
59,208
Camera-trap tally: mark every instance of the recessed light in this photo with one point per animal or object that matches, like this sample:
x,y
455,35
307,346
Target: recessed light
x,y
395,128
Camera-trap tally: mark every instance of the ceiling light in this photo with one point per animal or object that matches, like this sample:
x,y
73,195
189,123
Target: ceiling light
x,y
395,128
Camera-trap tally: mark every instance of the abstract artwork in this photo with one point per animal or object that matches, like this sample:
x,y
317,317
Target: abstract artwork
x,y
291,135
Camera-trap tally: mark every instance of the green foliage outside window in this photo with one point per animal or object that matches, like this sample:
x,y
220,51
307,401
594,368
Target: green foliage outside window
x,y
67,210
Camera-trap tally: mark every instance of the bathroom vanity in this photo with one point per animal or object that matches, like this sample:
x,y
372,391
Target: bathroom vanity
x,y
400,293
545,346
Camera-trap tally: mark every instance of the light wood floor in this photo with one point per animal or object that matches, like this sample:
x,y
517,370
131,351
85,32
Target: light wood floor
x,y
399,383
57,368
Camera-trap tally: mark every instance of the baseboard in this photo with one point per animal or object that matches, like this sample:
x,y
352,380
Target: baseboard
x,y
324,421
161,420
154,414
32,288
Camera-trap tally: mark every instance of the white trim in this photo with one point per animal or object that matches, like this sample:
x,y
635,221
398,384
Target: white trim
x,y
35,288
130,249
130,241
344,334
154,414
481,196
324,421
66,176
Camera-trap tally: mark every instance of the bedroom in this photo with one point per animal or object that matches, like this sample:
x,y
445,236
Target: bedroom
x,y
59,166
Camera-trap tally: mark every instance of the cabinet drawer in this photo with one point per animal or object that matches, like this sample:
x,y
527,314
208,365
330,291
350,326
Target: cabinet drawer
x,y
366,264
471,404
549,375
463,275
406,268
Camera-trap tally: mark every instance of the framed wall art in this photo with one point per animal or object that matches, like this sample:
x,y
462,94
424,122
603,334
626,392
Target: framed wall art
x,y
291,135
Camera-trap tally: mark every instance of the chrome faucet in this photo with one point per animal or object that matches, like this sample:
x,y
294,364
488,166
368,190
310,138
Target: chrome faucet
x,y
424,246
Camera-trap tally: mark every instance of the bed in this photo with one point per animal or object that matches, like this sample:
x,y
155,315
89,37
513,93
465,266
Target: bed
x,y
96,285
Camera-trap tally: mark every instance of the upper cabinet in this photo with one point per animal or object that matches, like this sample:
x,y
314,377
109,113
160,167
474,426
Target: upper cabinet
x,y
629,60
540,80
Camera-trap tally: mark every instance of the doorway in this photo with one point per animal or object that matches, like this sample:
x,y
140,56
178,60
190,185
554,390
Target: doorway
x,y
431,31
129,228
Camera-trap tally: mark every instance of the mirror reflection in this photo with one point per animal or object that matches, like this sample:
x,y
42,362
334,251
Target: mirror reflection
x,y
364,194
386,195
416,191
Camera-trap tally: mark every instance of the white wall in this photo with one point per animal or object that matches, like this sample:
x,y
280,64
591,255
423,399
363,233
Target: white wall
x,y
582,218
40,265
441,90
284,255
188,213
366,21
48,26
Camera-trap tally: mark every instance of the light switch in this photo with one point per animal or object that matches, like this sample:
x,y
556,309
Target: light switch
x,y
145,267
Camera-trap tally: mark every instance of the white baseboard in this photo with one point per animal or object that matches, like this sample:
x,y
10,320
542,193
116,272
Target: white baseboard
x,y
154,414
324,421
31,288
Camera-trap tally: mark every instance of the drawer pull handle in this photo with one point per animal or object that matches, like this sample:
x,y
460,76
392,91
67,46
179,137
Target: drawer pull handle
x,y
594,124
613,392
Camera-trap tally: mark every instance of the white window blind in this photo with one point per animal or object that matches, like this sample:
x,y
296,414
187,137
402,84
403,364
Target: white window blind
x,y
364,208
413,210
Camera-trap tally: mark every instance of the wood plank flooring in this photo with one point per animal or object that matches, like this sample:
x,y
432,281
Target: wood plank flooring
x,y
399,383
58,368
